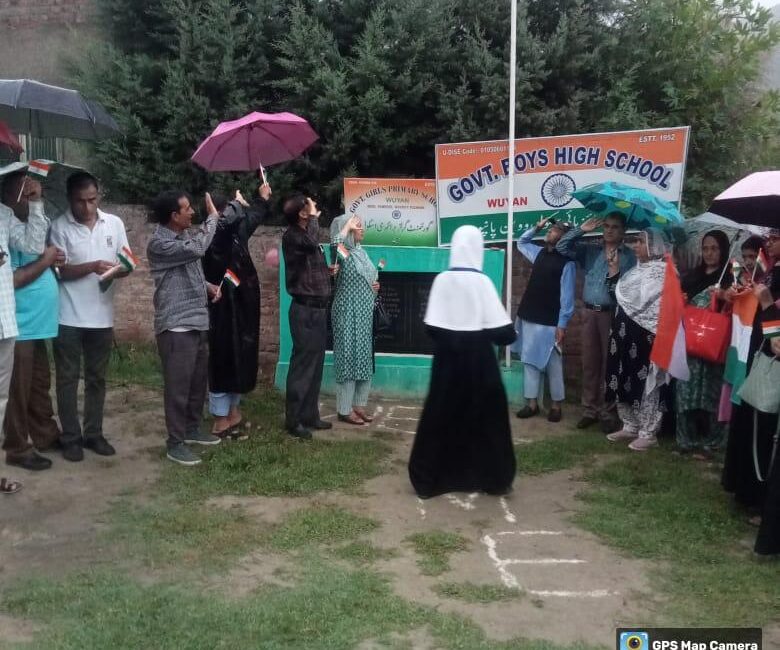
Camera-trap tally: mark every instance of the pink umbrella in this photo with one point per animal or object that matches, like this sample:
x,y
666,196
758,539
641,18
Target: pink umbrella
x,y
753,200
253,141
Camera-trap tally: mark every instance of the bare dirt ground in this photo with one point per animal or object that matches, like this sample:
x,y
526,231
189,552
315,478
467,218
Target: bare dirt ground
x,y
574,588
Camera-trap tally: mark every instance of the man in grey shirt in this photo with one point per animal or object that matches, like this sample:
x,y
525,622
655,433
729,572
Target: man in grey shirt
x,y
181,317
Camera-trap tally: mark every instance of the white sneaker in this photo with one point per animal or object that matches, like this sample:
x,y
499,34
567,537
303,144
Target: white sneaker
x,y
617,436
643,444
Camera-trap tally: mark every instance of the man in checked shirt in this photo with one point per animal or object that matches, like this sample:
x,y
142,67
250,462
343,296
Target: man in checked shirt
x,y
30,238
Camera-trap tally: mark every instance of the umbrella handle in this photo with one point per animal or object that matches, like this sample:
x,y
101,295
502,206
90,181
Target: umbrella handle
x,y
261,174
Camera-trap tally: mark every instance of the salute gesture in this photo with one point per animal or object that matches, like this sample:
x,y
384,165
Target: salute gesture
x,y
591,224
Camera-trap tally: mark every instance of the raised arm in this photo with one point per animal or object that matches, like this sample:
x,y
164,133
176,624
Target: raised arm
x,y
170,253
526,248
29,237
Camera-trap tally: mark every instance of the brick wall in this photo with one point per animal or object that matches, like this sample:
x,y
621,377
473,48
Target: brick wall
x,y
134,312
35,13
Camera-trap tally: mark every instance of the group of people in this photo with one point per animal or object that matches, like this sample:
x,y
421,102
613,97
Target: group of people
x,y
463,441
57,282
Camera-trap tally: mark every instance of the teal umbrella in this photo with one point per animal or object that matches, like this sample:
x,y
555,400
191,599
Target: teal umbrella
x,y
640,208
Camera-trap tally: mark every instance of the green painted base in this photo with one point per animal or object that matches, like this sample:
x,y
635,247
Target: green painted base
x,y
405,377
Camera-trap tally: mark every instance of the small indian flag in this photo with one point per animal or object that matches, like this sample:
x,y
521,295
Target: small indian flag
x,y
342,251
232,278
127,259
771,328
39,167
736,269
381,265
761,261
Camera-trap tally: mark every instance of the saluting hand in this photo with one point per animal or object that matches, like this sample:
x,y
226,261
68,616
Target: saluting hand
x,y
591,224
211,209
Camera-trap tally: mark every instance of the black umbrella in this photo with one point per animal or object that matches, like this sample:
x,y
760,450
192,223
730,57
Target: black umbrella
x,y
755,200
48,111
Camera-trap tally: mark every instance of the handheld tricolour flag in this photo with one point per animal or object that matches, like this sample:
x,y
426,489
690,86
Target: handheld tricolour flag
x,y
771,328
381,265
762,263
127,259
668,351
230,278
736,270
39,168
743,311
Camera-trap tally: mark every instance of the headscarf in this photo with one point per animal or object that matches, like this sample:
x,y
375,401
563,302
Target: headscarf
x,y
698,279
463,299
638,292
365,267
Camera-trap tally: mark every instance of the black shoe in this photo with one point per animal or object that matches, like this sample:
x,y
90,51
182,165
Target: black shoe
x,y
320,425
299,431
73,452
587,421
527,412
32,462
100,446
554,415
610,426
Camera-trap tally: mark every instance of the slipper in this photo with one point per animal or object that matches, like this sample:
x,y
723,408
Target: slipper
x,y
9,487
366,418
350,419
237,432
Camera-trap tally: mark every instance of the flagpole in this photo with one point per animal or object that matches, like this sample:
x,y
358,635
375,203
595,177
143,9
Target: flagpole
x,y
728,258
511,176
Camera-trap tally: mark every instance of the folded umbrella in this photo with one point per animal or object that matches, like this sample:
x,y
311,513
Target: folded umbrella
x,y
753,200
48,111
8,139
641,208
253,141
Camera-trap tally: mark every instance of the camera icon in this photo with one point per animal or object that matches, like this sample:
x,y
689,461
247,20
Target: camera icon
x,y
634,641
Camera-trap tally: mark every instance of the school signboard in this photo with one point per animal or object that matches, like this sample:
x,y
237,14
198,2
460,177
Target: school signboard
x,y
471,177
394,211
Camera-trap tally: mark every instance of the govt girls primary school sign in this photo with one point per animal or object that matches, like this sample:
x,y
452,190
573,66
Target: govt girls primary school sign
x,y
471,185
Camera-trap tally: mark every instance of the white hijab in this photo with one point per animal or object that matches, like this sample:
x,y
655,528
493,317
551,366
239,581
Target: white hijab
x,y
463,299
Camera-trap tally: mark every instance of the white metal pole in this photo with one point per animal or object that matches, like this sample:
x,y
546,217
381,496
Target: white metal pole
x,y
511,177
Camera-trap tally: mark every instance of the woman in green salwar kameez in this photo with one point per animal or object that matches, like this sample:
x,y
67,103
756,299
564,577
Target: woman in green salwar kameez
x,y
353,318
696,400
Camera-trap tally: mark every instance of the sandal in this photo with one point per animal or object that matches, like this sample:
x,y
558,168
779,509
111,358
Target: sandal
x,y
351,419
9,487
362,415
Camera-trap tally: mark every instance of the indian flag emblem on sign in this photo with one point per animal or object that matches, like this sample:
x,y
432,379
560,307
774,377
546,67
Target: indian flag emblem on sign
x,y
127,259
231,278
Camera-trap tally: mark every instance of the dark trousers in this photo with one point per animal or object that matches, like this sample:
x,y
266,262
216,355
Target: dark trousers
x,y
29,418
69,346
185,366
309,330
595,349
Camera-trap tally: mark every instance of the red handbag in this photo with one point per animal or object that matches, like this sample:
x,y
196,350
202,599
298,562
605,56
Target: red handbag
x,y
707,332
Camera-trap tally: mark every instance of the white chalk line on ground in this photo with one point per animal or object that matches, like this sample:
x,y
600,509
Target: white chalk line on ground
x,y
420,508
508,514
530,532
468,504
386,428
510,580
522,441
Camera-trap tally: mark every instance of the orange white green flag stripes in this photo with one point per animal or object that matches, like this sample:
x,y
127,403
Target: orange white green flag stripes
x,y
668,351
742,315
771,328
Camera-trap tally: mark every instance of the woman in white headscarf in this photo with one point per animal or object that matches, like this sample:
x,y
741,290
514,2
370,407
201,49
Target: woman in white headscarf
x,y
633,381
463,440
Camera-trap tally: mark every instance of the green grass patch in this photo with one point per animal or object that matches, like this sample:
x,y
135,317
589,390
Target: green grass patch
x,y
474,593
662,507
166,535
272,463
435,548
318,526
562,452
328,608
135,364
362,552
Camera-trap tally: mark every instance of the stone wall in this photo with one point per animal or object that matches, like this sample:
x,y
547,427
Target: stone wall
x,y
134,299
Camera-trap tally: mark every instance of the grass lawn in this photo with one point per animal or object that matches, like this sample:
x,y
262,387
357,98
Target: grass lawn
x,y
661,508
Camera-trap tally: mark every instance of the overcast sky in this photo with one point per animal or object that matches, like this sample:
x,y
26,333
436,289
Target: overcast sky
x,y
767,3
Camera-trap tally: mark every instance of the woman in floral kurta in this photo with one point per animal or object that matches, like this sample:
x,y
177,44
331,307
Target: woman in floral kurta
x,y
696,400
353,318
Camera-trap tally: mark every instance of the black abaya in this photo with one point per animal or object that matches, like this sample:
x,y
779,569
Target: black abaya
x,y
464,440
234,321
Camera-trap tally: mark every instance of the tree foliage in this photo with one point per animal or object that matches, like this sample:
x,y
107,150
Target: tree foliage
x,y
382,81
